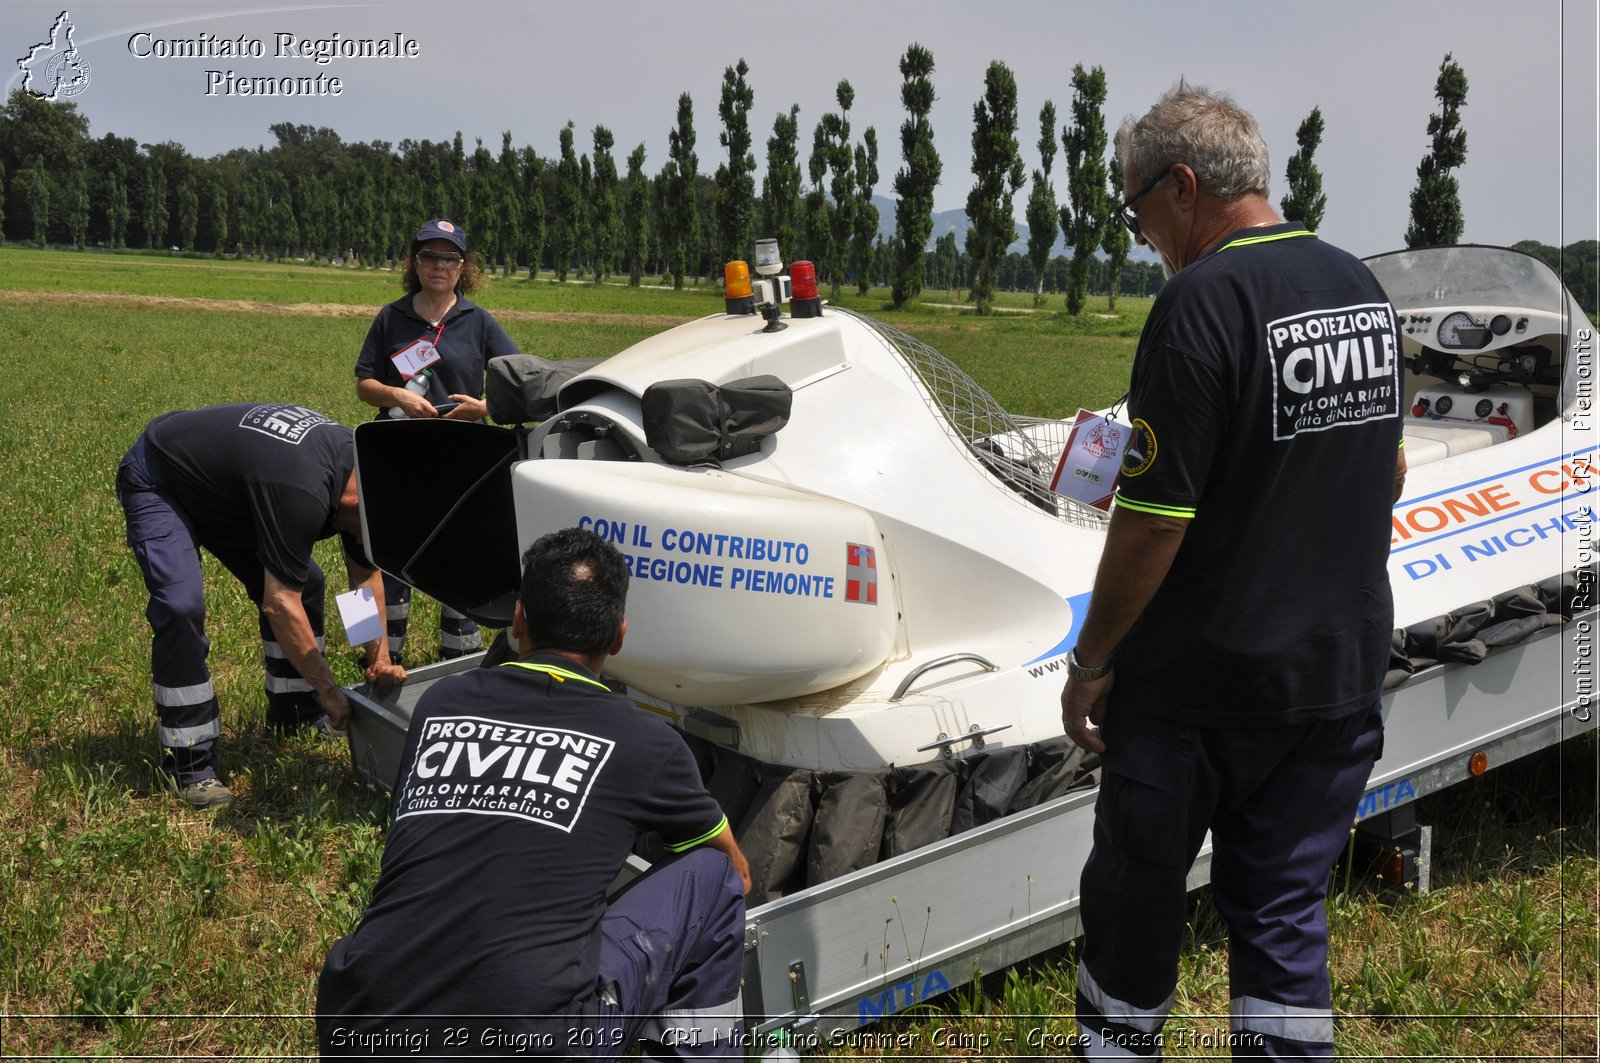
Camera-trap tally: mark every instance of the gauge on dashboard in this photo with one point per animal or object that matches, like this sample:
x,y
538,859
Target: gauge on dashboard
x,y
1459,332
1443,404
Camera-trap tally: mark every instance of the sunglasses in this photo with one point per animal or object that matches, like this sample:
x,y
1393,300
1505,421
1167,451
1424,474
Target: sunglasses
x,y
1129,218
447,258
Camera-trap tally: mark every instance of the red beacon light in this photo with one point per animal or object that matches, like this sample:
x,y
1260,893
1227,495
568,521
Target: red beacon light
x,y
803,281
738,298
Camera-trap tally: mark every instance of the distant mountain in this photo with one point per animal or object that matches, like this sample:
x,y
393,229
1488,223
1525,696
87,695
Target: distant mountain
x,y
955,221
952,221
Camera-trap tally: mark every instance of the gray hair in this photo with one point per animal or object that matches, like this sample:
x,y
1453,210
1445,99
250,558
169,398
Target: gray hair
x,y
1206,130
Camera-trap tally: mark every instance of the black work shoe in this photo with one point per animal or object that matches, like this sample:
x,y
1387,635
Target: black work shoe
x,y
206,794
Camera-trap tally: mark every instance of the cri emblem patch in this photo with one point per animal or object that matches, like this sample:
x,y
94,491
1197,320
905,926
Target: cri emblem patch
x,y
1141,452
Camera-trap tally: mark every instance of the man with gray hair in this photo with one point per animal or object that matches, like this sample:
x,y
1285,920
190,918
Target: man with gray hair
x,y
1230,666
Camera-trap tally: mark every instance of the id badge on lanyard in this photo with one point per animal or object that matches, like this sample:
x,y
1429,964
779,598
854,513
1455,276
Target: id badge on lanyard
x,y
1089,463
414,358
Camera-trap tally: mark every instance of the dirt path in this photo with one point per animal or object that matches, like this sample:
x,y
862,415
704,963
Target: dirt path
x,y
251,306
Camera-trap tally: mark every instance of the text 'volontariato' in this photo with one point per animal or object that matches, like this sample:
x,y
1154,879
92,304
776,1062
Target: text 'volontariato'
x,y
468,764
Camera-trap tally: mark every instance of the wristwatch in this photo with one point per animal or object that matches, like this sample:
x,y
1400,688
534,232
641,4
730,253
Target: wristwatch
x,y
1079,672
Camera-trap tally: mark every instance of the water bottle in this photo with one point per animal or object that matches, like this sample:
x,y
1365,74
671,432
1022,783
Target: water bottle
x,y
417,385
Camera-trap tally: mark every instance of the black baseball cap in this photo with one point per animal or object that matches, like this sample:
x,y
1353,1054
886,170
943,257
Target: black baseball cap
x,y
439,229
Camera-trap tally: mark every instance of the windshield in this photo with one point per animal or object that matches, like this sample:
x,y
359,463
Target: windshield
x,y
1468,276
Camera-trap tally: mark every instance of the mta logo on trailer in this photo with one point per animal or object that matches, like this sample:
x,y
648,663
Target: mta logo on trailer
x,y
1386,797
860,574
902,995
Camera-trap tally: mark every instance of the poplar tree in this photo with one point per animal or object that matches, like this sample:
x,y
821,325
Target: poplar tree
x,y
564,232
1436,201
119,211
866,222
219,215
585,219
607,228
1305,201
780,190
636,217
508,200
736,183
681,219
456,203
841,186
35,182
918,174
78,208
155,205
533,210
1084,143
1117,240
487,217
819,226
997,169
1042,203
188,214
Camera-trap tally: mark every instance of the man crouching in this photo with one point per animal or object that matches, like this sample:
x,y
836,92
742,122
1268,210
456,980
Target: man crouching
x,y
521,791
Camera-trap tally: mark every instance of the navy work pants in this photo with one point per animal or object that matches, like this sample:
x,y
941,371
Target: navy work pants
x,y
671,948
167,548
458,635
670,956
1279,802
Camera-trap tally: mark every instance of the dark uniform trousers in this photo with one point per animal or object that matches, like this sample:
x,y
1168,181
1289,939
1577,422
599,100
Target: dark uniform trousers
x,y
671,951
1279,802
167,548
458,636
671,957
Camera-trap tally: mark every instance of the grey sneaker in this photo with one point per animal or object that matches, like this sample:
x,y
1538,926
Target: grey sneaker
x,y
206,794
322,727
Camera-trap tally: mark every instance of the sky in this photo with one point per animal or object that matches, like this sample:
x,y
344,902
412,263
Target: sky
x,y
528,67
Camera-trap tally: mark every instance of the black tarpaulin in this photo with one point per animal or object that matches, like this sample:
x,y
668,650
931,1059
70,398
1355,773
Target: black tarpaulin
x,y
693,421
521,388
1468,634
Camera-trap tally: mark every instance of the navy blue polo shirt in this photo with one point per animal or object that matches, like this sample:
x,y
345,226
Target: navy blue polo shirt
x,y
264,477
1265,398
466,338
521,791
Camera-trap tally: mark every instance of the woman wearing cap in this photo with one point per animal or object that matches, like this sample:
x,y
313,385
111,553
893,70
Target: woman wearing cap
x,y
433,327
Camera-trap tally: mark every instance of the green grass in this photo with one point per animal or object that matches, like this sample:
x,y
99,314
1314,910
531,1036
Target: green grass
x,y
167,276
120,906
1500,960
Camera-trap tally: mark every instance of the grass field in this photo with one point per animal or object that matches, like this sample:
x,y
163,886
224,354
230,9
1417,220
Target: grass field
x,y
130,926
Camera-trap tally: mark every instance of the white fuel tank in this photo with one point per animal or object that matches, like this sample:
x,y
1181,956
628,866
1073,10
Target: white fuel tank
x,y
740,591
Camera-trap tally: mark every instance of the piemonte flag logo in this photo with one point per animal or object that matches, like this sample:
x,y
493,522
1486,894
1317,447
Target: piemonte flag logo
x,y
55,69
860,574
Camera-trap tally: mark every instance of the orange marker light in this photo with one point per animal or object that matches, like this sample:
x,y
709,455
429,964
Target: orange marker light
x,y
738,298
736,280
1478,764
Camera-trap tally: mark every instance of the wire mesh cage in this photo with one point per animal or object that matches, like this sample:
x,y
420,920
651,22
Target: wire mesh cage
x,y
1021,453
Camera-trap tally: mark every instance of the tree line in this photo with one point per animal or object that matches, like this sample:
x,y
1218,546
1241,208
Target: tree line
x,y
581,214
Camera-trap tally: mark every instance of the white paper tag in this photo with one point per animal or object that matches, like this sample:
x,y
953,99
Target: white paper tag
x,y
359,612
415,358
1088,468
